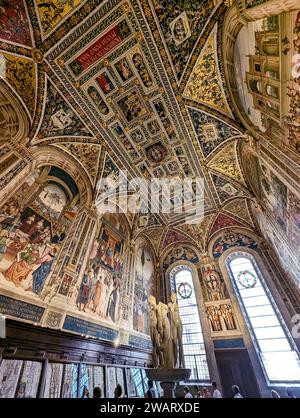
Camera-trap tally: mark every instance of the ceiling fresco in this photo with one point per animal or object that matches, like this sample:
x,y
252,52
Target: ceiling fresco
x,y
119,85
208,89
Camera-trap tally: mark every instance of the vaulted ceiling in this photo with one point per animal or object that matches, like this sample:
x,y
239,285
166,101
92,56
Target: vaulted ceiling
x,y
133,85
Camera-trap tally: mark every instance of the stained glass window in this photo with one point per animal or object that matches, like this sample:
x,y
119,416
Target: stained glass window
x,y
268,330
193,343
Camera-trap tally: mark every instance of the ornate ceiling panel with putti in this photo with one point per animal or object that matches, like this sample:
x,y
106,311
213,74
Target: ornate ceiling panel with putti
x,y
119,85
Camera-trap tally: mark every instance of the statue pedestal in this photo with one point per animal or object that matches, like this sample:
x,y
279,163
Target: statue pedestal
x,y
168,378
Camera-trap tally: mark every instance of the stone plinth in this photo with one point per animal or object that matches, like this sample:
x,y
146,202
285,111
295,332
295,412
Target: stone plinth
x,y
168,378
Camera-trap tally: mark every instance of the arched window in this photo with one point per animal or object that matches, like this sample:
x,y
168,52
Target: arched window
x,y
270,335
181,280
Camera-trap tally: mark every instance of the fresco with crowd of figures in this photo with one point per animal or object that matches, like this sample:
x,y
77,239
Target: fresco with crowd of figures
x,y
99,291
31,235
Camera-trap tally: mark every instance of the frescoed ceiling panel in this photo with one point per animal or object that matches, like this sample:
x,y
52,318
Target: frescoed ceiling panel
x,y
146,88
14,23
171,236
154,235
59,119
198,232
223,220
181,23
20,73
205,83
104,83
52,12
210,131
87,154
226,162
239,208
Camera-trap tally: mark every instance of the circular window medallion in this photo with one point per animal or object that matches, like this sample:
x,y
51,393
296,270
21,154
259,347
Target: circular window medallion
x,y
185,290
246,279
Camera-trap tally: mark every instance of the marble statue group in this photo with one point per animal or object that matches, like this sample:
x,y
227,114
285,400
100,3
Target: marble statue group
x,y
166,333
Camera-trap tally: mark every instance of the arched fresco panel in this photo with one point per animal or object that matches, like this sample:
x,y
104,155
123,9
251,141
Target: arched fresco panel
x,y
180,253
33,225
231,238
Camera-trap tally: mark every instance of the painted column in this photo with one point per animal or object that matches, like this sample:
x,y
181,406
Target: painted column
x,y
16,165
127,298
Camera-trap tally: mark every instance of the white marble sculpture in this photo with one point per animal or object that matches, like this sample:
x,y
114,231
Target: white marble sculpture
x,y
166,333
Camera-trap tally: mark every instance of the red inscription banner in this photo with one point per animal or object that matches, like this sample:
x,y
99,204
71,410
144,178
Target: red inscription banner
x,y
102,46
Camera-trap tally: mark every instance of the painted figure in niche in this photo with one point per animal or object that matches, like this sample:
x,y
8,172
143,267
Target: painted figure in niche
x,y
176,329
98,101
137,136
214,285
96,293
105,83
120,132
65,285
124,70
158,172
85,290
76,67
160,109
139,64
213,314
113,300
227,315
153,127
